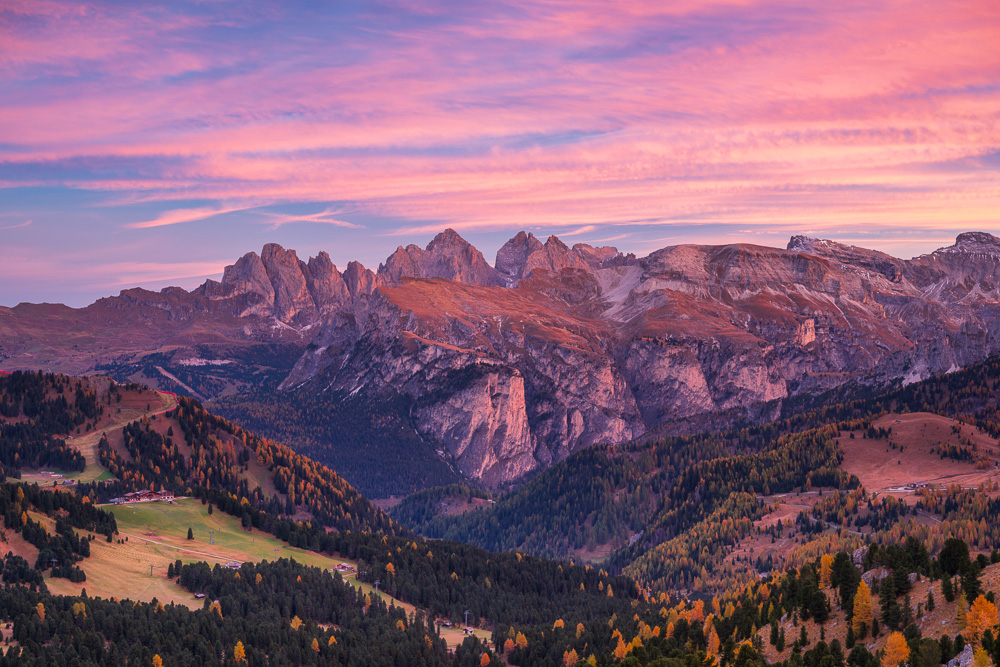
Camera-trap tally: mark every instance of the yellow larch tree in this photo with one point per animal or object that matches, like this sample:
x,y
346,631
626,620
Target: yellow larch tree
x,y
981,617
896,650
239,653
862,620
621,650
825,570
713,643
570,658
980,658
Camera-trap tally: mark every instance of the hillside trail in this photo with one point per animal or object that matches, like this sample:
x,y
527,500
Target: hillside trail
x,y
87,443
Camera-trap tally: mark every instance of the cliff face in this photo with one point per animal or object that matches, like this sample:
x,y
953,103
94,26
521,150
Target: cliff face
x,y
510,368
588,345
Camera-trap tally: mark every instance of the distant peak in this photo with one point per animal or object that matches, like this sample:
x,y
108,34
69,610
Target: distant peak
x,y
554,242
273,249
976,239
973,243
800,242
447,238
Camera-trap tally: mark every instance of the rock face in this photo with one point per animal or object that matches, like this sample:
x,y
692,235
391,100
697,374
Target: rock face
x,y
278,285
524,254
586,345
556,348
447,256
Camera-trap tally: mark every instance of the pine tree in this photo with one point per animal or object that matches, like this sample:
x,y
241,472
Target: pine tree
x,y
947,589
190,534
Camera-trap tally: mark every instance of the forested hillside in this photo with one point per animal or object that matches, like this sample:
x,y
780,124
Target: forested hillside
x,y
36,408
736,548
193,452
659,506
371,443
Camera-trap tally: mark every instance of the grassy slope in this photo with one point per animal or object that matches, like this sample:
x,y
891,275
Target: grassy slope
x,y
157,535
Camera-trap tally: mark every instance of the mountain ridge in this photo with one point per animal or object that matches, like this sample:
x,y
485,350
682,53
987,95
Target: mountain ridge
x,y
513,366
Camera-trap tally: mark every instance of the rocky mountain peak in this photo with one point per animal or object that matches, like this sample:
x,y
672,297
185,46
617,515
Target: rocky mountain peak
x,y
448,255
449,238
553,244
513,256
292,299
248,276
359,280
325,283
975,242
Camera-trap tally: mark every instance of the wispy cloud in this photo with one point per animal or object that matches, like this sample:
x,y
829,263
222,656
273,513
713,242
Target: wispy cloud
x,y
586,229
488,117
326,217
17,226
182,215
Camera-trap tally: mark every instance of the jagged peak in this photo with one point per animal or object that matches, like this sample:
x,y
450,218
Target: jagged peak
x,y
554,243
802,243
522,237
272,250
448,238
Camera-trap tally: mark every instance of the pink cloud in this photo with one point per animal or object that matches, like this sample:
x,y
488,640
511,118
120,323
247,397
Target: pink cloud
x,y
831,114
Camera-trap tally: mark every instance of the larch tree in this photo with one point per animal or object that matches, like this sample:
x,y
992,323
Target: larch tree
x,y
981,617
825,570
980,658
896,650
862,620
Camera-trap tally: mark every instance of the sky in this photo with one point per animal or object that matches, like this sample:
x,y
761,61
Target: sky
x,y
151,145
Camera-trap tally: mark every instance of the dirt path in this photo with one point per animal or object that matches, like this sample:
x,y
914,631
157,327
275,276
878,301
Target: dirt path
x,y
87,444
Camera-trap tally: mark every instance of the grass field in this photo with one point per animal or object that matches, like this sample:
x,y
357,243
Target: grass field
x,y
157,536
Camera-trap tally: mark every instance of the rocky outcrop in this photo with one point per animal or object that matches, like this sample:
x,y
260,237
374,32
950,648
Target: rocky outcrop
x,y
326,285
513,256
447,256
292,300
248,276
522,255
963,659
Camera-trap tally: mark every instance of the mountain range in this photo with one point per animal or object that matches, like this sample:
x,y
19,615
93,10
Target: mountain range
x,y
510,367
